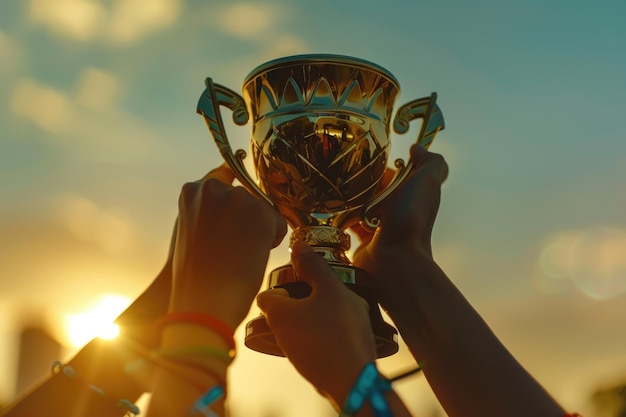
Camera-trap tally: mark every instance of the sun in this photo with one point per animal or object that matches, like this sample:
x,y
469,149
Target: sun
x,y
97,322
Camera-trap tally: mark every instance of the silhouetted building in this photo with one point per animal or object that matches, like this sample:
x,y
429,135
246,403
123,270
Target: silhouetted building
x,y
37,351
610,402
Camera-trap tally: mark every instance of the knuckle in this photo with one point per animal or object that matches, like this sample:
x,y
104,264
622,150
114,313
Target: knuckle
x,y
436,158
241,195
439,166
187,191
189,187
213,185
281,224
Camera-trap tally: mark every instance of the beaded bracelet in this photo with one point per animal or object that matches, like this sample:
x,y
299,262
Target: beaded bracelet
x,y
124,404
200,319
370,385
202,405
178,368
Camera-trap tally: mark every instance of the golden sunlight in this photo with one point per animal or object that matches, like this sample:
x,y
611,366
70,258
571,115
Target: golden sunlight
x,y
591,259
97,322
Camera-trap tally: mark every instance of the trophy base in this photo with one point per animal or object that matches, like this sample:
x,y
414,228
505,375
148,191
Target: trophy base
x,y
259,336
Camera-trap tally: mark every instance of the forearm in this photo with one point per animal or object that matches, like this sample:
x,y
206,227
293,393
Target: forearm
x,y
194,369
468,368
100,367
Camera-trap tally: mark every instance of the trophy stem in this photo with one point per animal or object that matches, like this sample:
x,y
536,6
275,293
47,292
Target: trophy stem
x,y
330,243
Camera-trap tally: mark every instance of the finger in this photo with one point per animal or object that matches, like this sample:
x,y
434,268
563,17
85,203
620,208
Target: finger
x,y
430,163
281,231
170,255
222,173
364,235
312,268
274,303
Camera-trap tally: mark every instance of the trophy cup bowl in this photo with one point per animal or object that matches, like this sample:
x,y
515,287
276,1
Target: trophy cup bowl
x,y
320,147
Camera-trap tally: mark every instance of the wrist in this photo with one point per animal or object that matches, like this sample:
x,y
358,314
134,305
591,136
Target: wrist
x,y
369,388
391,261
105,364
228,313
195,327
409,287
398,274
340,384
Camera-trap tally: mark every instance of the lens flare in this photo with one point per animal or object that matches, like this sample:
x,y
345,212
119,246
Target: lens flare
x,y
97,322
593,260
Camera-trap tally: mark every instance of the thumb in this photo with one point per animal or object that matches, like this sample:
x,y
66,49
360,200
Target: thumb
x,y
222,173
434,164
274,302
312,268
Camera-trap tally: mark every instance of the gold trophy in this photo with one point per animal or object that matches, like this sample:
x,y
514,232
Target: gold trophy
x,y
320,146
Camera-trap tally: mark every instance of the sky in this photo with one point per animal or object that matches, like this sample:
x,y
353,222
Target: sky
x,y
98,132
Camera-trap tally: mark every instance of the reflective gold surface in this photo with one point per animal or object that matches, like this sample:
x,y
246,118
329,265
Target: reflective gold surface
x,y
320,138
320,146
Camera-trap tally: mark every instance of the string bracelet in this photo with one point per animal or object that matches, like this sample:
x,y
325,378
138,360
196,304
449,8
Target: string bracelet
x,y
187,362
195,351
370,386
123,404
202,406
180,368
200,319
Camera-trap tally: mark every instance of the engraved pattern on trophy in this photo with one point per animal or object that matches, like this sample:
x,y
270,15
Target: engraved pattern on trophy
x,y
320,139
316,236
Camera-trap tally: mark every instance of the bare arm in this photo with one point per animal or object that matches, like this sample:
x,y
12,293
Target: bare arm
x,y
468,368
330,347
203,274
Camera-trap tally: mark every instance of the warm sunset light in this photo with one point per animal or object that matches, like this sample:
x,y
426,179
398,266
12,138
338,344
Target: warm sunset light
x,y
97,322
99,133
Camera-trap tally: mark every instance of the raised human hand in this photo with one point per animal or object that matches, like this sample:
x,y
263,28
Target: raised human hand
x,y
403,238
137,320
327,335
223,239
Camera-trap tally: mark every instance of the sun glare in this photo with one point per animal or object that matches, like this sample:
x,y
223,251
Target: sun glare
x,y
97,322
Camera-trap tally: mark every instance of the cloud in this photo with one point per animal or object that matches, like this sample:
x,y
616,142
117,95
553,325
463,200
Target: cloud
x,y
286,45
247,20
122,21
76,19
132,20
57,112
110,229
96,89
11,55
90,120
42,105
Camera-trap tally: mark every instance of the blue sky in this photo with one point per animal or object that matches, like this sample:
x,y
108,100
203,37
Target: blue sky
x,y
98,132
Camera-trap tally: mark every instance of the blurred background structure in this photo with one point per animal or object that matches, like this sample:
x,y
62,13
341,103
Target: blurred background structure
x,y
98,132
610,401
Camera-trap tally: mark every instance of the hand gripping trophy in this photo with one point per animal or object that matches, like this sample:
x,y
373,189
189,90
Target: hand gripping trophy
x,y
320,146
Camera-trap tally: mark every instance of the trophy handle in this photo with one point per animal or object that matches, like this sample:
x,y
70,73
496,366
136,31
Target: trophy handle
x,y
425,108
208,107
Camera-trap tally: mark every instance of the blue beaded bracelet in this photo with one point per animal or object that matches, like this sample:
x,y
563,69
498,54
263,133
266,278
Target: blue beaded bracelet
x,y
202,406
370,385
124,404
